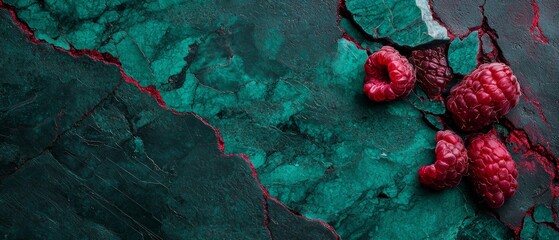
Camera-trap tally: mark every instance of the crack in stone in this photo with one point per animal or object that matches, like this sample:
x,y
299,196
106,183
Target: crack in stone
x,y
152,91
535,29
74,125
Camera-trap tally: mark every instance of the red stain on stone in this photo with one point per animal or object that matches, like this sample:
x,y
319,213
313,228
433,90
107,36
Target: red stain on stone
x,y
532,156
535,29
522,144
555,194
530,166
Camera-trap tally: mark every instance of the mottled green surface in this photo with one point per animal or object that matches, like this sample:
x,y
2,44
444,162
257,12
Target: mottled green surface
x,y
117,166
282,87
533,230
543,214
360,37
484,226
395,19
462,54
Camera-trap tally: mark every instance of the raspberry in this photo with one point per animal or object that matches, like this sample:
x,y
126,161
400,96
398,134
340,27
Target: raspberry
x,y
492,169
389,75
450,165
432,70
485,94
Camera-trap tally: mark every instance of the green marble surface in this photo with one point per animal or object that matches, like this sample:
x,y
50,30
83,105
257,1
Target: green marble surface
x,y
462,53
284,87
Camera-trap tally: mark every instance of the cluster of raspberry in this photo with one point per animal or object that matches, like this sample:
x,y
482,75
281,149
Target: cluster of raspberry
x,y
483,96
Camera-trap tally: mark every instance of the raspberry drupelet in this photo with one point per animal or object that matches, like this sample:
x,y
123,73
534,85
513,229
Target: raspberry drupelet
x,y
485,94
451,162
492,170
432,70
388,75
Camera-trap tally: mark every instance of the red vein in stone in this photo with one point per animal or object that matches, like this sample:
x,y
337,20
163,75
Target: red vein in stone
x,y
548,162
152,91
524,146
538,34
267,196
341,8
496,54
349,38
436,17
527,90
518,137
221,147
93,54
518,229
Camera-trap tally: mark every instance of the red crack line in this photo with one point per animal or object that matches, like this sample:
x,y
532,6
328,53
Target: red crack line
x,y
549,163
153,92
343,9
527,90
354,41
522,144
93,54
437,19
496,54
537,34
221,147
343,12
518,229
518,137
267,196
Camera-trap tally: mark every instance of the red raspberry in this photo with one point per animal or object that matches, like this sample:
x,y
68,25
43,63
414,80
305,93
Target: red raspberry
x,y
486,94
432,70
492,169
450,165
389,75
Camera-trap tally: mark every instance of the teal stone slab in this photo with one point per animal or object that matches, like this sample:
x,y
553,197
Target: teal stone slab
x,y
116,165
462,54
543,214
422,102
286,89
533,230
355,34
484,226
399,21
